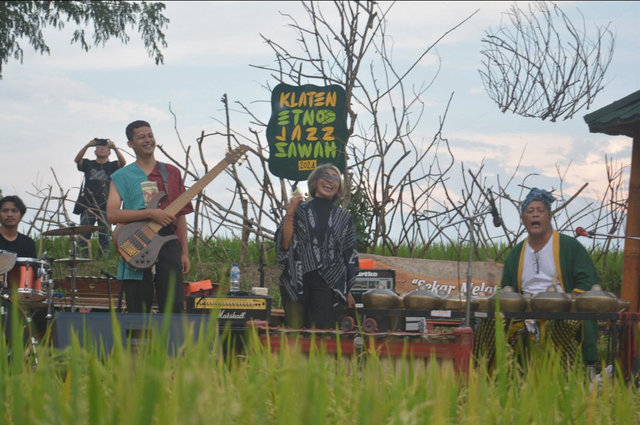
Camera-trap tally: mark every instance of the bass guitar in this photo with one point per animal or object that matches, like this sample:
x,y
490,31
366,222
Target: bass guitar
x,y
139,243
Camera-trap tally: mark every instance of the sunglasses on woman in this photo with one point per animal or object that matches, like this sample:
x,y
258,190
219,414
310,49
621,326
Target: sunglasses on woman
x,y
329,178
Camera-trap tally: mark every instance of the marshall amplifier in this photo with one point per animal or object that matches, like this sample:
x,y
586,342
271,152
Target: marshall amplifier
x,y
235,310
370,279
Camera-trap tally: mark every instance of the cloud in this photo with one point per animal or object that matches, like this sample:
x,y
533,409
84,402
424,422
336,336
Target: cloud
x,y
113,110
54,101
541,150
16,118
433,19
552,156
617,145
199,34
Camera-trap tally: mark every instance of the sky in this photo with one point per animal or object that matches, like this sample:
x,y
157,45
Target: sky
x,y
52,105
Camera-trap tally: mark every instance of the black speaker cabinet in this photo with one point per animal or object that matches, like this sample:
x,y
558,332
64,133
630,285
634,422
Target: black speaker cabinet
x,y
97,329
370,279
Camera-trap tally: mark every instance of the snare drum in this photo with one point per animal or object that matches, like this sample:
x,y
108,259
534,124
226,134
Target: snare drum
x,y
27,276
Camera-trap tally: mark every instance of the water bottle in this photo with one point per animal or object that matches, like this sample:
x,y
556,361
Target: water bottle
x,y
234,279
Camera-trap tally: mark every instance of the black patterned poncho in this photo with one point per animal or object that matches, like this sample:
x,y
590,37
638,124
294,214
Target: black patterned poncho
x,y
336,259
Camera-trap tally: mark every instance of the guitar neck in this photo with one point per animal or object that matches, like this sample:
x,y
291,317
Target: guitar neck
x,y
174,208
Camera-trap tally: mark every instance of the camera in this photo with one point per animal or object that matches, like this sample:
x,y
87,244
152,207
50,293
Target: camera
x,y
101,142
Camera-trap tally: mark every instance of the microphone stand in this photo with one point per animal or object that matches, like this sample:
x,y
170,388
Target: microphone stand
x,y
74,269
593,234
470,222
261,265
109,293
120,297
111,277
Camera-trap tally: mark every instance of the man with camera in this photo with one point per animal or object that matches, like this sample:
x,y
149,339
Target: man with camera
x,y
92,201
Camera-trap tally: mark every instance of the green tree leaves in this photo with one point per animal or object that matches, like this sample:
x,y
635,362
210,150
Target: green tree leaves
x,y
25,20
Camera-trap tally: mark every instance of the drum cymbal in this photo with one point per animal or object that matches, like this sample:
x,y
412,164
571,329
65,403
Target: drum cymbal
x,y
74,260
72,230
7,261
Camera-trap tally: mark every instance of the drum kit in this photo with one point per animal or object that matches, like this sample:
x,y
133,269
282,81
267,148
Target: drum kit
x,y
28,283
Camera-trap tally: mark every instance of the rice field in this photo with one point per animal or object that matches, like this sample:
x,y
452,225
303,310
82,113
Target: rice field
x,y
205,381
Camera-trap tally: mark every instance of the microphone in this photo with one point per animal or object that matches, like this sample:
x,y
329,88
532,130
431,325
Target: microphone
x,y
581,232
497,221
108,275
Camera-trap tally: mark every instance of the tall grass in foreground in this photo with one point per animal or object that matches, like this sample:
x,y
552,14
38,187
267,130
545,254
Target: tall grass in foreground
x,y
200,384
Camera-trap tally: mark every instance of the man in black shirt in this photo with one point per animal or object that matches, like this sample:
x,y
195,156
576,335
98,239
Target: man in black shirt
x,y
92,202
12,209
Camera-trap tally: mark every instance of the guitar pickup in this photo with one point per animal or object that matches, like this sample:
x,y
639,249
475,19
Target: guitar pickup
x,y
129,249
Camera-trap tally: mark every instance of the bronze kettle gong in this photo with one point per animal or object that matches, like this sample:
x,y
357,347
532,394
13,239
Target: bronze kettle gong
x,y
483,301
551,301
596,301
381,297
422,299
510,301
459,302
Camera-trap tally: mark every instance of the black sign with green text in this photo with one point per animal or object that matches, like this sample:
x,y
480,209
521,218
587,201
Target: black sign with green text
x,y
307,128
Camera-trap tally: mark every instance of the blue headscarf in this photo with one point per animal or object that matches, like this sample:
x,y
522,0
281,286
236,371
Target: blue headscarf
x,y
537,195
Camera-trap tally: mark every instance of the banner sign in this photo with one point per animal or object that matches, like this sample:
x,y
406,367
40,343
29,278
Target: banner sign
x,y
409,274
308,127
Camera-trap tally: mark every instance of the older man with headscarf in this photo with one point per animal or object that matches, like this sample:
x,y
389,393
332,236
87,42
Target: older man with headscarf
x,y
547,258
543,259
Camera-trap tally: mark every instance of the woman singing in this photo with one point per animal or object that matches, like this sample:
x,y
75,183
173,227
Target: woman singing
x,y
317,253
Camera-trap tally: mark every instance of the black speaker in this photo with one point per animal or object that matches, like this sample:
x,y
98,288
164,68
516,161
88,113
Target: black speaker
x,y
370,279
97,329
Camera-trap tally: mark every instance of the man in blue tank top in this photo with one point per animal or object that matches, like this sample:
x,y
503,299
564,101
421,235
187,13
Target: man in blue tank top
x,y
132,187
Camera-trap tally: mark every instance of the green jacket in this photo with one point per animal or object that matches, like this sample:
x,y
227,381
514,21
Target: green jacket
x,y
577,272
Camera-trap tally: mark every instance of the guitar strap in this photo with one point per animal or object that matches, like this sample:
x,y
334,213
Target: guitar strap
x,y
164,173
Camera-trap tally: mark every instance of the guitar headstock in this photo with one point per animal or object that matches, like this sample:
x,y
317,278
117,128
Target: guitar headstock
x,y
233,156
